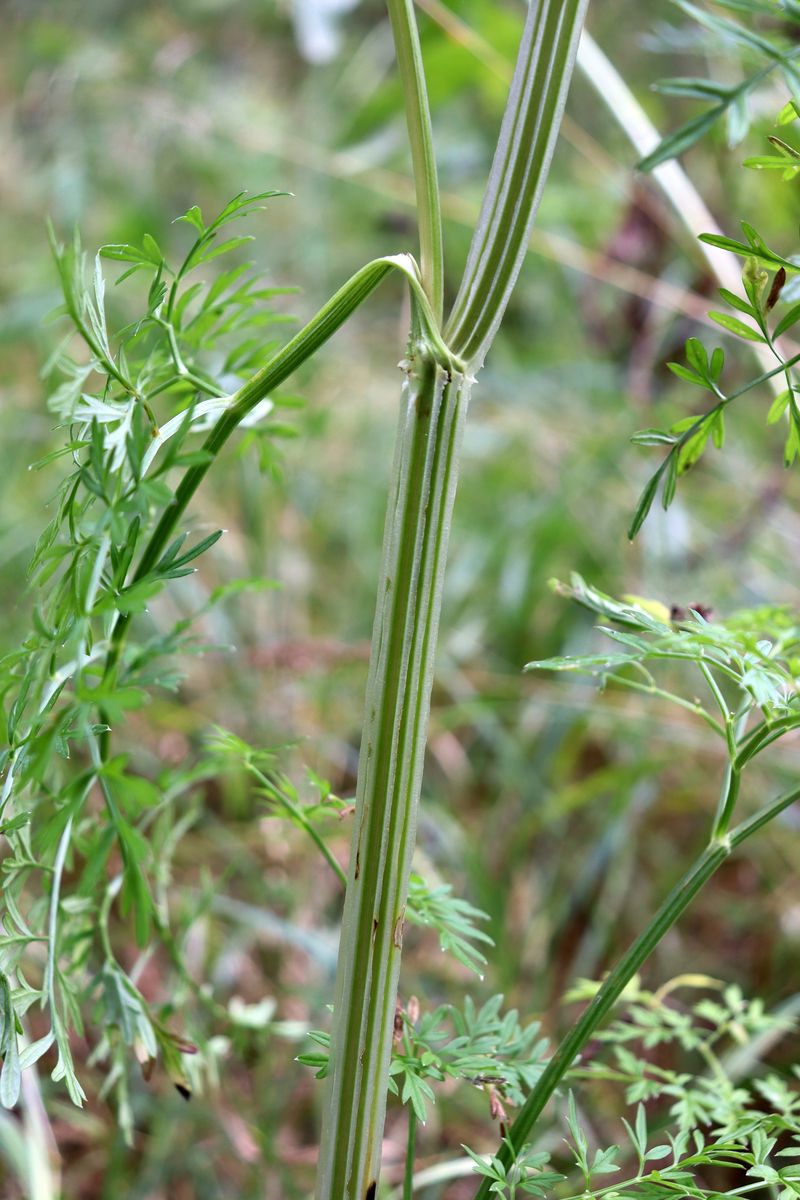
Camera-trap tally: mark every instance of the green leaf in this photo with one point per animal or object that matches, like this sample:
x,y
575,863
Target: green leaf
x,y
687,375
416,1092
700,89
209,252
193,216
628,614
788,113
10,1075
792,445
778,407
681,139
652,437
734,325
787,321
692,448
645,504
761,251
670,480
737,302
452,918
603,1161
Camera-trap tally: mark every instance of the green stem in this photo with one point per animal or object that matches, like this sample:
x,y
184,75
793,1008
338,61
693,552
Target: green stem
x,y
762,378
433,409
302,346
733,775
411,1146
761,736
522,160
615,983
409,600
277,794
650,689
420,136
727,801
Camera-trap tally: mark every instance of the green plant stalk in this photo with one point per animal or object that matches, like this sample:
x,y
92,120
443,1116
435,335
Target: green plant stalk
x,y
521,163
615,983
433,408
411,1146
409,602
301,347
420,136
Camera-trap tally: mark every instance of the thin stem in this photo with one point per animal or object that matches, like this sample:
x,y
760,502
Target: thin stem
x,y
613,986
295,810
733,775
762,736
762,378
184,373
650,689
716,693
420,136
727,801
322,326
411,1146
52,920
519,170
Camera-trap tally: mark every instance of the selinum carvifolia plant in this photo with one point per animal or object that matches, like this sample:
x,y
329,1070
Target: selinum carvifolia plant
x,y
199,358
199,361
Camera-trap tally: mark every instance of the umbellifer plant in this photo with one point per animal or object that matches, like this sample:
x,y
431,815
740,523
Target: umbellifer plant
x,y
134,406
114,543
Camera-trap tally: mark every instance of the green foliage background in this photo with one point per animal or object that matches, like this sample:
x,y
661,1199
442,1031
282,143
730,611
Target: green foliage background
x,y
564,814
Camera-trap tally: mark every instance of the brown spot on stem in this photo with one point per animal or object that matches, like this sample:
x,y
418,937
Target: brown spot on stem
x,y
357,871
371,1191
397,936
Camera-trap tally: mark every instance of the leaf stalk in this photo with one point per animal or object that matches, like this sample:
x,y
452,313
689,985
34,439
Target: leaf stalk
x,y
420,136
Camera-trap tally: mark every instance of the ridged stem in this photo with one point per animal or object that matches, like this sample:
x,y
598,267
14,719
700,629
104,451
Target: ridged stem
x,y
521,163
433,408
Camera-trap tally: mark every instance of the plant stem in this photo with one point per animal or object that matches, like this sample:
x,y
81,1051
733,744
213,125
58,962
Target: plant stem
x,y
420,136
409,599
411,1145
613,986
274,792
519,170
304,344
433,409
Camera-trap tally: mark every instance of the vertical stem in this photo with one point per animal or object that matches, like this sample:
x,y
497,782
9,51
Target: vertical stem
x,y
521,163
420,136
411,1146
433,409
409,598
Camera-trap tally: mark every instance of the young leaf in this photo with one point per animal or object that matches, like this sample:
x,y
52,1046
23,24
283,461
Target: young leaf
x,y
734,325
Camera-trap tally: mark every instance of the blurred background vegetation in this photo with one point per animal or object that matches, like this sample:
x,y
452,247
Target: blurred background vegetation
x,y
565,814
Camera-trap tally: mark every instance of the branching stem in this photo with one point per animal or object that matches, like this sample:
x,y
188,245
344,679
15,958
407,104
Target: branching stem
x,y
613,986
